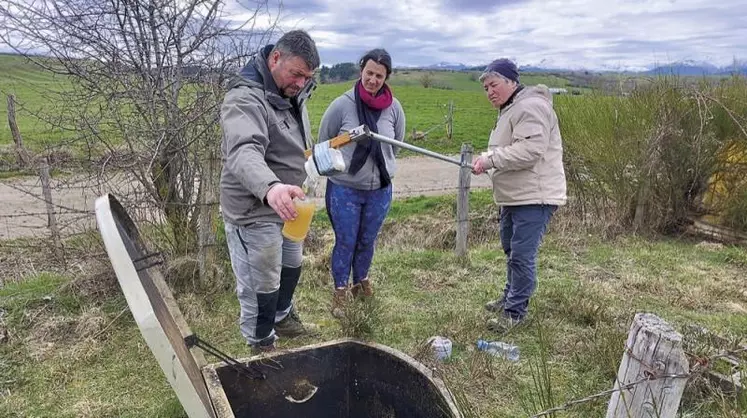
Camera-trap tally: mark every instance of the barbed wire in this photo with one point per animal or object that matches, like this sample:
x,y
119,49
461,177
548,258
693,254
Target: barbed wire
x,y
35,214
66,210
704,367
451,189
71,216
76,223
41,198
590,398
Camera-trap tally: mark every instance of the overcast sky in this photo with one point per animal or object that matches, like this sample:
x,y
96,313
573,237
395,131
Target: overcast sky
x,y
593,34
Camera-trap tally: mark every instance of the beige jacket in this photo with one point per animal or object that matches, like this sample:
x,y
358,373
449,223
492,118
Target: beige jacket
x,y
525,152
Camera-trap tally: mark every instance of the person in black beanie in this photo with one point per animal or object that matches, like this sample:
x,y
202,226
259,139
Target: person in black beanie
x,y
525,161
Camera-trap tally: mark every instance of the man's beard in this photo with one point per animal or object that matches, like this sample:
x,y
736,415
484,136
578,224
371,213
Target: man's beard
x,y
285,92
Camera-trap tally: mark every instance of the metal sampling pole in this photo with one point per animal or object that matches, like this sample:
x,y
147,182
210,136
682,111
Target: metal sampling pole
x,y
400,144
360,132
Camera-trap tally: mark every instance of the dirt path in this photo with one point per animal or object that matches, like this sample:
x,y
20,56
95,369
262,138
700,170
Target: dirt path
x,y
23,210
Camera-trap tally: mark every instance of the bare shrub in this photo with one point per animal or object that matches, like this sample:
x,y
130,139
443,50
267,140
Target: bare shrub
x,y
644,161
145,79
427,79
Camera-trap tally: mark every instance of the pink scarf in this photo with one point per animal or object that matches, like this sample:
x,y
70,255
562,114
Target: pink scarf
x,y
382,100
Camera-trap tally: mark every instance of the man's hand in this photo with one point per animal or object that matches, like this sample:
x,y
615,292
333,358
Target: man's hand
x,y
280,198
479,164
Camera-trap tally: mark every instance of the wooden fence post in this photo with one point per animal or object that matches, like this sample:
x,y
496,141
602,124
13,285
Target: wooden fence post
x,y
465,177
21,154
206,227
51,217
450,120
653,349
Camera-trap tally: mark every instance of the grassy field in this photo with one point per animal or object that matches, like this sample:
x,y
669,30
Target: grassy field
x,y
36,95
425,109
75,351
468,81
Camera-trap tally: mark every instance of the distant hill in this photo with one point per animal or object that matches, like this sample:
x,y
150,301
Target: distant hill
x,y
452,66
683,68
693,68
534,69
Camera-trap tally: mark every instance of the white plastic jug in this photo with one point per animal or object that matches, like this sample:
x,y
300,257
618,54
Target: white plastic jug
x,y
441,347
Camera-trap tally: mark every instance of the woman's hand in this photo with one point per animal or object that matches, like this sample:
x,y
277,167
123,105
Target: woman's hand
x,y
479,165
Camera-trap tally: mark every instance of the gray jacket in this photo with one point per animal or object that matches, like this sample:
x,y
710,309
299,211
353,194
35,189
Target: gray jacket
x,y
264,138
341,116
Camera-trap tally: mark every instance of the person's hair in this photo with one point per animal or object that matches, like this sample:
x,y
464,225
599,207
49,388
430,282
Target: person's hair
x,y
298,43
379,56
489,74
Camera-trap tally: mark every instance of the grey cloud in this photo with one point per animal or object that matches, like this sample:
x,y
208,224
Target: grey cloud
x,y
304,6
633,46
288,6
477,5
335,56
519,29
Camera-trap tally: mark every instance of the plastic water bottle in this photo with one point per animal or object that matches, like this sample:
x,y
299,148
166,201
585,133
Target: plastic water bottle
x,y
441,347
499,349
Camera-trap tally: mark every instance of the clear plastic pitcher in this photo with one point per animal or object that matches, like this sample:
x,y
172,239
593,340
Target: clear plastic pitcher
x,y
499,349
297,229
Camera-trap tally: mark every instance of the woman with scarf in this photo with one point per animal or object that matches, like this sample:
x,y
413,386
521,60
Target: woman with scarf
x,y
358,199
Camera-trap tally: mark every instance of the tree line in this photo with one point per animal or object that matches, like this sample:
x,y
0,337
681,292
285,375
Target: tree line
x,y
343,71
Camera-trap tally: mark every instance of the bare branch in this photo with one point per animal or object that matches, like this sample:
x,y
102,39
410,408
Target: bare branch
x,y
143,87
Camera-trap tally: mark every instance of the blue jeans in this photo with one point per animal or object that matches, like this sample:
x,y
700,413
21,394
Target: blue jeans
x,y
356,217
522,229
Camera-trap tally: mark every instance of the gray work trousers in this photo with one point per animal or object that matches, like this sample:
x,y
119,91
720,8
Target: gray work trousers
x,y
267,267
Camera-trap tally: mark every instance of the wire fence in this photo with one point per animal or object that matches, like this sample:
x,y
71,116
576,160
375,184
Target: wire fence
x,y
79,175
25,212
702,366
42,214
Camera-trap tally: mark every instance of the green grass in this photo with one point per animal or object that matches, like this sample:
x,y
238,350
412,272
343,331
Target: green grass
x,y
590,288
468,81
35,91
424,109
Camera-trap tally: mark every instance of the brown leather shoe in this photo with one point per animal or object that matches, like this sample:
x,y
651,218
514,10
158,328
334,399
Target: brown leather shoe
x,y
339,298
363,289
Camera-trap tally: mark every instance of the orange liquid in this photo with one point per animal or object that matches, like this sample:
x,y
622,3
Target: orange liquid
x,y
297,229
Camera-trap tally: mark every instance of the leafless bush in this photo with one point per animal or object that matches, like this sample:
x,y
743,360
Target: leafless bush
x,y
142,80
646,161
427,79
